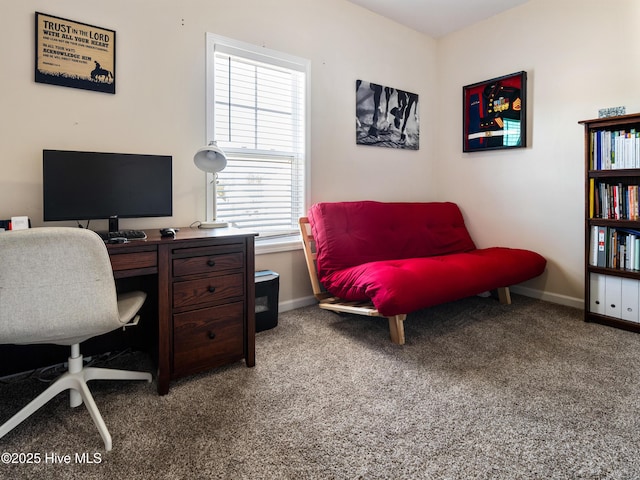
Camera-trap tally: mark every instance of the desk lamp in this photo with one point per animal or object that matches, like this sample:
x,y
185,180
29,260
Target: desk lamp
x,y
211,159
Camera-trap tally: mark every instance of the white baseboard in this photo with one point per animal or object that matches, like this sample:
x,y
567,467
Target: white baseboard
x,y
296,303
549,297
527,292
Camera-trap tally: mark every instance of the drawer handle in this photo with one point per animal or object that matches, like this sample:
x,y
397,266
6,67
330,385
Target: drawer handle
x,y
211,335
211,263
211,289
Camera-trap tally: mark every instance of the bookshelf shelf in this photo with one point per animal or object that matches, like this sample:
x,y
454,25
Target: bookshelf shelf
x,y
620,173
620,272
633,224
612,221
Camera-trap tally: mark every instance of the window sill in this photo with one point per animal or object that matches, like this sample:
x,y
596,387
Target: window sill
x,y
275,245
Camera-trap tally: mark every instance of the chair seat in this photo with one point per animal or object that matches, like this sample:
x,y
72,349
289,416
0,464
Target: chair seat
x,y
129,304
57,286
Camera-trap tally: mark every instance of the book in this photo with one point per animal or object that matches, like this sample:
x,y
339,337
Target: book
x,y
593,246
591,198
602,246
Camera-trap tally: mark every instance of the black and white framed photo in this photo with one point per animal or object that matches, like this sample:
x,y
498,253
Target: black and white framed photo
x,y
386,116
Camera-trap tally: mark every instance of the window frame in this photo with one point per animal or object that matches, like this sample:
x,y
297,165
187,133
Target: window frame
x,y
217,43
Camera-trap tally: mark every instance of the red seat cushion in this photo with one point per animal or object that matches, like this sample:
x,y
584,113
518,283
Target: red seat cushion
x,y
406,285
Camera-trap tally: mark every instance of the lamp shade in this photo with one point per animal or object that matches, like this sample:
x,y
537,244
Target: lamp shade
x,y
210,158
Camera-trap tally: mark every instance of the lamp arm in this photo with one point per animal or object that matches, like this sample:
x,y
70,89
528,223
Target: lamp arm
x,y
211,207
214,200
211,193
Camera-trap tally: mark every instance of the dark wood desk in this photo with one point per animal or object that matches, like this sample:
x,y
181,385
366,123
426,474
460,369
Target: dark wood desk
x,y
205,296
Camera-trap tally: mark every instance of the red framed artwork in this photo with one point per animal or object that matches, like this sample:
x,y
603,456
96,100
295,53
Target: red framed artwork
x,y
494,113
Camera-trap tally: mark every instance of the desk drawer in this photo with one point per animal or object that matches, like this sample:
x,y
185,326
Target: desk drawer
x,y
133,261
207,264
208,338
207,290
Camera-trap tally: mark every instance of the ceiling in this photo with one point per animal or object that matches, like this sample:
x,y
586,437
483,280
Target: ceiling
x,y
438,17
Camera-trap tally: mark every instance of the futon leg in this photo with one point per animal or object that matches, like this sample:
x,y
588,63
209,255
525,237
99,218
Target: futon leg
x,y
396,328
504,295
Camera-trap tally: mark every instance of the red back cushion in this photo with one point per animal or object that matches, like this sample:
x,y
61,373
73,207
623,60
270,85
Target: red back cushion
x,y
353,233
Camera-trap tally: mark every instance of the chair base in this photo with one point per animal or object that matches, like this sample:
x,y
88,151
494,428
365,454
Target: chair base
x,y
76,380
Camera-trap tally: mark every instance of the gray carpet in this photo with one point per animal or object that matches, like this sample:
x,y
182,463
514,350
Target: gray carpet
x,y
479,391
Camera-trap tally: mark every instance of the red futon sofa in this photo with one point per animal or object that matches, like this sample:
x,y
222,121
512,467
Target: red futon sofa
x,y
401,257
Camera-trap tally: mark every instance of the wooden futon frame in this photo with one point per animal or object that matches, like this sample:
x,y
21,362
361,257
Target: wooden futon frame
x,y
335,304
327,301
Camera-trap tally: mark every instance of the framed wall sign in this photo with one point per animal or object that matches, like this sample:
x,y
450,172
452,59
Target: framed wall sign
x,y
494,113
74,54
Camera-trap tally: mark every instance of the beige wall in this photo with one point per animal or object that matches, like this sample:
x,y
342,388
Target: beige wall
x,y
579,55
159,104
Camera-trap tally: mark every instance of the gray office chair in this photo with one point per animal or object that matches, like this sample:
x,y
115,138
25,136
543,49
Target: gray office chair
x,y
57,286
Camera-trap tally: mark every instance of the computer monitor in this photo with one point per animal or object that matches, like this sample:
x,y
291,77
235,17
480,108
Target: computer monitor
x,y
91,185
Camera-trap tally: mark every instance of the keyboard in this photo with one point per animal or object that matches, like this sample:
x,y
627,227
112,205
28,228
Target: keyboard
x,y
128,234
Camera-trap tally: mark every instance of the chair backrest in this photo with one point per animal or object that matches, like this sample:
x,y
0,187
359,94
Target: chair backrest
x,y
56,286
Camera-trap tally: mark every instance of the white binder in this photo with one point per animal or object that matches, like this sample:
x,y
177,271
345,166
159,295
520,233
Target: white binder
x,y
613,296
596,293
630,299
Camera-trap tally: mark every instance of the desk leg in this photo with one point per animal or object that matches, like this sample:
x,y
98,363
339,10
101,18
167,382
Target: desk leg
x,y
163,384
164,320
250,338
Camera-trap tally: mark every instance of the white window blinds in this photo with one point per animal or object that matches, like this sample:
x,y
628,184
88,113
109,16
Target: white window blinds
x,y
259,117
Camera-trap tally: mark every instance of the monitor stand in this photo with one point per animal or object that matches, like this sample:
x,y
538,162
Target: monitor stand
x,y
113,224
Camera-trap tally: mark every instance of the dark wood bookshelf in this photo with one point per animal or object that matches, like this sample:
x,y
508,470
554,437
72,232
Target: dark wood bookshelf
x,y
595,275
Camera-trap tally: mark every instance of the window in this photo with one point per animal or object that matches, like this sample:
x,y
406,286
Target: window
x,y
257,113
